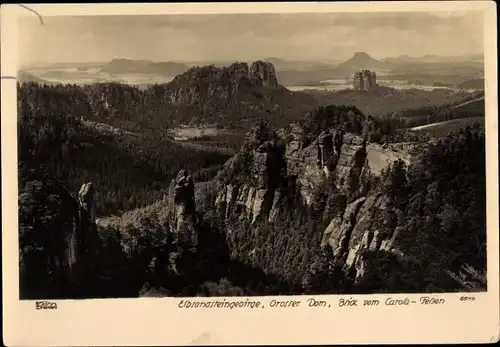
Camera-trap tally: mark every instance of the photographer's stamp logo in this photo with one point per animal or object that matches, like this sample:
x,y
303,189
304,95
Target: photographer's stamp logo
x,y
45,305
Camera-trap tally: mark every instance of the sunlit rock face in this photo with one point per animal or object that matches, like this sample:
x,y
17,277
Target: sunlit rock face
x,y
278,171
274,164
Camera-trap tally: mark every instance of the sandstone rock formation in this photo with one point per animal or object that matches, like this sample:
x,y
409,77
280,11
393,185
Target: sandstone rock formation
x,y
86,236
58,240
356,231
263,74
182,211
293,164
230,96
85,199
276,164
365,80
209,82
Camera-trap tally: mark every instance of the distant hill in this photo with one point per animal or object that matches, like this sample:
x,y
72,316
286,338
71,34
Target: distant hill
x,y
278,62
144,66
427,69
474,83
301,65
361,60
296,77
23,76
430,58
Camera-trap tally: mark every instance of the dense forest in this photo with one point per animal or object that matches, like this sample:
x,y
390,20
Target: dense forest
x,y
383,100
119,138
471,106
128,170
436,204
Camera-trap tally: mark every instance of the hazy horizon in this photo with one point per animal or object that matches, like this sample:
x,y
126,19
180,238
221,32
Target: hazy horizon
x,y
318,37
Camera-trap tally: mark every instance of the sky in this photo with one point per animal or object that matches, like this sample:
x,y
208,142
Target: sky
x,y
320,37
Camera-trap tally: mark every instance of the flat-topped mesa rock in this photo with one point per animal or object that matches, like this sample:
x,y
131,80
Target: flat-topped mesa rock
x,y
58,240
200,83
328,151
182,211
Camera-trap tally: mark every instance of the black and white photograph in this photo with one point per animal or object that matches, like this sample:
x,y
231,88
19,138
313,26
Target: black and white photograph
x,y
225,155
249,173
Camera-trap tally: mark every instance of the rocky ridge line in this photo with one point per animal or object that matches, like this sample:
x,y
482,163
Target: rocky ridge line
x,y
273,168
204,83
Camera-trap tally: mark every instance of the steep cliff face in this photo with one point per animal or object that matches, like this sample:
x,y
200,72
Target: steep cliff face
x,y
199,84
357,231
262,73
234,96
58,240
182,211
277,173
271,162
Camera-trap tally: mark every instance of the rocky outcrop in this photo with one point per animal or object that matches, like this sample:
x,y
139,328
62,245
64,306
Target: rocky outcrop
x,y
86,237
365,80
182,211
247,201
85,200
263,74
224,83
288,168
58,240
231,96
355,232
284,163
338,233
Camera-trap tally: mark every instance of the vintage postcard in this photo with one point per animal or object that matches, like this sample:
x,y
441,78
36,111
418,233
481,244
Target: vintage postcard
x,y
250,173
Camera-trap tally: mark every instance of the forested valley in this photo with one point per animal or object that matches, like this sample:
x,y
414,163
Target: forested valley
x,y
119,138
58,133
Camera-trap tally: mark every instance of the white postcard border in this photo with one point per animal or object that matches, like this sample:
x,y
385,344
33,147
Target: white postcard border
x,y
158,321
